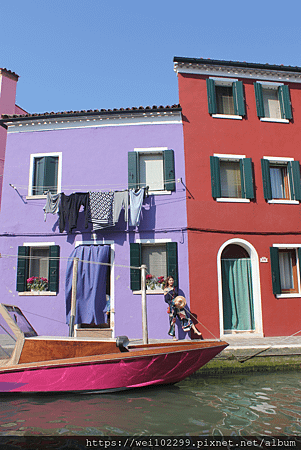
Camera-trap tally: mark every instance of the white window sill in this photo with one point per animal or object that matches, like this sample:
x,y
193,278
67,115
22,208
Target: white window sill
x,y
234,200
284,202
36,197
159,192
226,116
295,295
150,291
270,119
43,293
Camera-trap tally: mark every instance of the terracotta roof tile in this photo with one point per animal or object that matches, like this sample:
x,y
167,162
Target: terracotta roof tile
x,y
90,112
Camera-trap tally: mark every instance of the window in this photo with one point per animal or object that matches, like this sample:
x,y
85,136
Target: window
x,y
153,168
154,257
225,97
285,267
281,179
161,259
44,174
231,178
224,100
273,101
151,171
38,260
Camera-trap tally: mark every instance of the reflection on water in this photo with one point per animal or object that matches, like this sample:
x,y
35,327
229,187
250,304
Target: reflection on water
x,y
243,404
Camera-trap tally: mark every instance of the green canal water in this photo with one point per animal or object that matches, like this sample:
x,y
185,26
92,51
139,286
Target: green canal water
x,y
253,404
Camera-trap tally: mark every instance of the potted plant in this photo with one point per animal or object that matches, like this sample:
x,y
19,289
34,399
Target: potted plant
x,y
37,284
153,282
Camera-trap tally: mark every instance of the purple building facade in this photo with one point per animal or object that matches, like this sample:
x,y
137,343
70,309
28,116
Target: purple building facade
x,y
100,151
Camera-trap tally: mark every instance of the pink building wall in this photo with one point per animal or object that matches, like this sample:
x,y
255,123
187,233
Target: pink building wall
x,y
8,87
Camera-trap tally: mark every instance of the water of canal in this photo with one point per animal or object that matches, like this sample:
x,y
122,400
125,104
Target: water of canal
x,y
256,404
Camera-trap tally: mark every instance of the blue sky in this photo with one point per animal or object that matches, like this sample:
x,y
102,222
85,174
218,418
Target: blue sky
x,y
93,54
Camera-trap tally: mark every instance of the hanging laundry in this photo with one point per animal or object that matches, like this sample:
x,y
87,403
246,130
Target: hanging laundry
x,y
136,199
69,209
52,204
121,199
101,209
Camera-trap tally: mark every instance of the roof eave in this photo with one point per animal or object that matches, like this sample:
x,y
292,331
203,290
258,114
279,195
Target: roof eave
x,y
11,119
246,65
7,120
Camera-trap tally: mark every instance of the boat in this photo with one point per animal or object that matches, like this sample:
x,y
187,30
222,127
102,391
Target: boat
x,y
52,364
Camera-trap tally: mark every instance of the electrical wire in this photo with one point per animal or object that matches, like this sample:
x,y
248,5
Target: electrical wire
x,y
53,258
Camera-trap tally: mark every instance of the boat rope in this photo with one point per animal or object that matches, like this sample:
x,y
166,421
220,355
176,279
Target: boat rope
x,y
43,317
189,312
244,359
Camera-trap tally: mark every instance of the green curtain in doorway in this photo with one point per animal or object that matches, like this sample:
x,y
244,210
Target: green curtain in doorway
x,y
237,294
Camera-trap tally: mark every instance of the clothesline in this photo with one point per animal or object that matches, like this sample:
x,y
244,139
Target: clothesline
x,y
112,187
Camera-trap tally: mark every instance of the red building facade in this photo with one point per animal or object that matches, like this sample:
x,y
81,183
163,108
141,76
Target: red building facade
x,y
242,134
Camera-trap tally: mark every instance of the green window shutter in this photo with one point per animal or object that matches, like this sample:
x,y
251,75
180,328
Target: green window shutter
x,y
294,178
133,174
259,99
238,97
38,176
169,170
211,96
54,263
50,174
285,102
172,260
266,179
135,261
274,255
22,268
299,258
215,177
247,183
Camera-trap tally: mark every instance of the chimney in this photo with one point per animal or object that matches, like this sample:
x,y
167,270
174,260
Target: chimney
x,y
8,87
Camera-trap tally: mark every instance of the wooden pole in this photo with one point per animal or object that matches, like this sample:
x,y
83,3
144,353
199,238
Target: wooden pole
x,y
73,297
143,303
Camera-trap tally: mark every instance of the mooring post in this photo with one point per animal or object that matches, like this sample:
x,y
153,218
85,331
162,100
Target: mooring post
x,y
73,297
143,304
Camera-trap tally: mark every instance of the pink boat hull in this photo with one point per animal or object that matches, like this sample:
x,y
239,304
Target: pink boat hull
x,y
126,372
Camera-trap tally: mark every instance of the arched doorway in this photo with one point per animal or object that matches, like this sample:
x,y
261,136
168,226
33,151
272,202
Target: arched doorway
x,y
237,289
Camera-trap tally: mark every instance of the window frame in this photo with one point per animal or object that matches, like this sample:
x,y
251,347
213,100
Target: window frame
x,y
171,246
234,158
25,267
237,93
275,270
283,98
141,154
33,156
294,188
168,158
